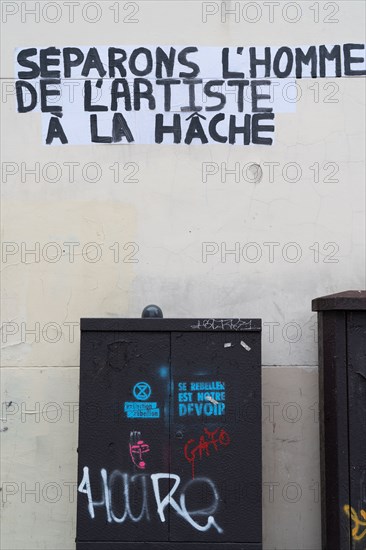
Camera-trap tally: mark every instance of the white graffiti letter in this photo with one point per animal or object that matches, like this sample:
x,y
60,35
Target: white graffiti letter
x,y
211,510
110,512
126,496
162,504
182,509
85,482
144,505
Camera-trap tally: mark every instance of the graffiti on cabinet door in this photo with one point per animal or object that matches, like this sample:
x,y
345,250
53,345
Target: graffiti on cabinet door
x,y
211,440
223,324
138,448
142,485
201,398
359,525
141,408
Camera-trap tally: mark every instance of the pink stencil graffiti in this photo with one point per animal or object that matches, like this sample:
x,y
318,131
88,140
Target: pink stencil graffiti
x,y
215,439
138,448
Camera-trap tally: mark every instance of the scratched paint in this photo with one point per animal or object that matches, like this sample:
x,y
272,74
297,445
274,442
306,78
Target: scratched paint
x,y
244,345
211,400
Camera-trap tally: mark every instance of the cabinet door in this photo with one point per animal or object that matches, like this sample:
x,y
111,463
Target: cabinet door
x,y
216,438
356,352
123,435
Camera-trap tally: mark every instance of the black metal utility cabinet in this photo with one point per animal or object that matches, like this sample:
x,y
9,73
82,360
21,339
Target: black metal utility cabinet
x,y
170,435
342,383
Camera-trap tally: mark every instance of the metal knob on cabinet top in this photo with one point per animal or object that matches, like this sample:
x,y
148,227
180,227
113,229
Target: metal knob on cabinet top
x,y
152,311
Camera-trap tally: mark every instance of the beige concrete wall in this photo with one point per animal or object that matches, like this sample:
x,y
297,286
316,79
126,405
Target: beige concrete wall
x,y
149,228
